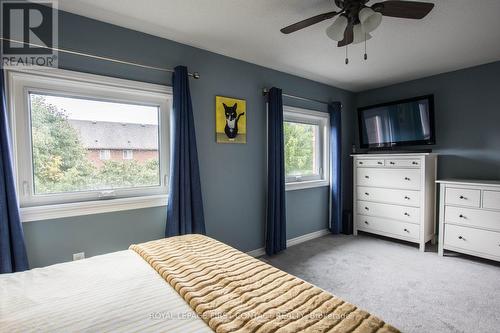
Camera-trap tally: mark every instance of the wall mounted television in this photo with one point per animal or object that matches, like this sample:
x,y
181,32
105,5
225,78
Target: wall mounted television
x,y
407,122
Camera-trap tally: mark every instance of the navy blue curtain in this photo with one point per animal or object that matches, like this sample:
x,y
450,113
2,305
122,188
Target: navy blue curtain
x,y
185,204
13,256
276,211
335,162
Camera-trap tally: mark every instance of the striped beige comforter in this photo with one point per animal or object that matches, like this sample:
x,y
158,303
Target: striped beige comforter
x,y
233,292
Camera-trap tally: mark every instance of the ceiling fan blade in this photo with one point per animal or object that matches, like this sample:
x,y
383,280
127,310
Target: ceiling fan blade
x,y
308,22
348,36
404,9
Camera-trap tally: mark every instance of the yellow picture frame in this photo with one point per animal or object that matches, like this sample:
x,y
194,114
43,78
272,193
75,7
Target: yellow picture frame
x,y
230,120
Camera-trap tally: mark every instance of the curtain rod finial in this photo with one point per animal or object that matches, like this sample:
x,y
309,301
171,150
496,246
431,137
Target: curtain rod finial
x,y
196,75
265,91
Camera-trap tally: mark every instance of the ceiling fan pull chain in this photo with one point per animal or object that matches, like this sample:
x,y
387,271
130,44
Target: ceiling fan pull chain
x,y
366,54
346,55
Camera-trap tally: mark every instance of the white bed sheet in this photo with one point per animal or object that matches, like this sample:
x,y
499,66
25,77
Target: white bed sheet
x,y
116,292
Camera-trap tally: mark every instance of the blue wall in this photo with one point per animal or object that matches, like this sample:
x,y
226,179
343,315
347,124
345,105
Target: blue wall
x,y
233,176
467,118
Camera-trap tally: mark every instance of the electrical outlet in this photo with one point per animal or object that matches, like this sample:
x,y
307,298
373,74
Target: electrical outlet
x,y
78,256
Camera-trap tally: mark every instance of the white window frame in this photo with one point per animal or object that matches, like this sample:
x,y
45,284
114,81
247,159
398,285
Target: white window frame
x,y
322,119
128,154
22,81
104,154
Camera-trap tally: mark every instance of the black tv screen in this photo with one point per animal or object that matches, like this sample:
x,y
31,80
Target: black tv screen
x,y
400,123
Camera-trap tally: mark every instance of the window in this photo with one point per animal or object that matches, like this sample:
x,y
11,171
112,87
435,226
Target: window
x,y
67,132
71,130
306,148
104,154
128,154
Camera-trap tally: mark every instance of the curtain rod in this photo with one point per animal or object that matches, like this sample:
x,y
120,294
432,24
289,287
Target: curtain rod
x,y
265,91
194,75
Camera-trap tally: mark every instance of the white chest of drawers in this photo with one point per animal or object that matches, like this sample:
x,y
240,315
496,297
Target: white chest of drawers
x,y
394,196
469,217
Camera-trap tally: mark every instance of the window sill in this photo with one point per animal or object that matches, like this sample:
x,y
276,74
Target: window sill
x,y
39,213
305,184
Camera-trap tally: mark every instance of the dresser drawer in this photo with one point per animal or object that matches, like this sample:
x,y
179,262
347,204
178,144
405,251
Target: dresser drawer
x,y
401,213
403,163
491,200
463,197
369,163
399,197
471,239
375,224
473,217
390,178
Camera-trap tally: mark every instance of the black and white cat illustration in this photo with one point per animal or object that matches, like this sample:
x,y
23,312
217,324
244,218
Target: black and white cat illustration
x,y
232,118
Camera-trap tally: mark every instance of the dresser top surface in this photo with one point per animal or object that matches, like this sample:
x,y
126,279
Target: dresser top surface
x,y
469,182
377,155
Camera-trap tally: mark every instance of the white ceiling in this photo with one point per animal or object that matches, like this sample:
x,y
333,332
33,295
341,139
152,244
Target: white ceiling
x,y
456,34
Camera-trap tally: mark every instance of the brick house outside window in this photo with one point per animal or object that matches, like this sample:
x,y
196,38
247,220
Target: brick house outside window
x,y
110,141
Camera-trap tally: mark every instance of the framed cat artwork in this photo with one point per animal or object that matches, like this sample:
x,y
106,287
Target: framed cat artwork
x,y
230,120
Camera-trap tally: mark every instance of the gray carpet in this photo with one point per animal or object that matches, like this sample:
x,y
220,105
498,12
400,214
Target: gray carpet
x,y
414,291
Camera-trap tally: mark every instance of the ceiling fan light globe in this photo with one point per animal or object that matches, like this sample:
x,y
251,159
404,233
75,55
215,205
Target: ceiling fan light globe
x,y
359,35
337,29
370,19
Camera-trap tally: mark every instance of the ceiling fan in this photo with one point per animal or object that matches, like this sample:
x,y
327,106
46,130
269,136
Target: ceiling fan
x,y
356,20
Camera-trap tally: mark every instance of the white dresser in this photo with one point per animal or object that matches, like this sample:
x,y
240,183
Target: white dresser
x,y
469,217
394,196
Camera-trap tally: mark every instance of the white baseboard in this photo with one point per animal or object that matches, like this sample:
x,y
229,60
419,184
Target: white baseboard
x,y
306,237
257,253
291,242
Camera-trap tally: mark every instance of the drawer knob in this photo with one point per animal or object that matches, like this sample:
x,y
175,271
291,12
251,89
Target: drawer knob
x,y
463,198
461,216
392,163
360,162
414,163
366,222
367,177
406,178
366,193
406,214
380,163
408,231
460,237
367,208
407,197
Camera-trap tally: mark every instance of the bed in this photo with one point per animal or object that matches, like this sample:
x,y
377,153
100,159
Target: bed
x,y
187,283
